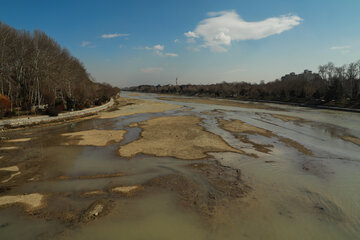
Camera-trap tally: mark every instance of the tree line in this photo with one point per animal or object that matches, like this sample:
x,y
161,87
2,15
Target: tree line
x,y
36,71
331,86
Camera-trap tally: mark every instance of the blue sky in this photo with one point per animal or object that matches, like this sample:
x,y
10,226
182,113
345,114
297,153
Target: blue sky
x,y
137,42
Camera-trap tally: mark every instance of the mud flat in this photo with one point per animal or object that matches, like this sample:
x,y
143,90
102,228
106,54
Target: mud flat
x,y
207,194
221,102
180,137
135,106
239,127
94,137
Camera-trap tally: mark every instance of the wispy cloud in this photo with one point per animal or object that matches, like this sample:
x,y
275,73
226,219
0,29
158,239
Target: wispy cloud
x,y
340,47
151,70
115,35
177,41
222,28
85,43
172,54
158,50
157,47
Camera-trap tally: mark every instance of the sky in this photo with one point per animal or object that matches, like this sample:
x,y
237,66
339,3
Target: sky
x,y
128,43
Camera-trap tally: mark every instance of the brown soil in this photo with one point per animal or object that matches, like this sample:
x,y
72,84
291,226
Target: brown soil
x,y
132,106
165,136
352,139
94,137
222,102
239,127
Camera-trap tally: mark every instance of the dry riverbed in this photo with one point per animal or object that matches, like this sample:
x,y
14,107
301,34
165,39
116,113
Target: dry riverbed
x,y
83,176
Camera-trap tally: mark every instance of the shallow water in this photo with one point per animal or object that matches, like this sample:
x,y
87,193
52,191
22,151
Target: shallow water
x,y
293,196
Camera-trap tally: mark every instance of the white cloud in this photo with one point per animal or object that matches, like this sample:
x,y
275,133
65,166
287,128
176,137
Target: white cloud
x,y
85,43
191,34
177,41
221,28
340,47
114,35
158,50
151,70
158,47
172,54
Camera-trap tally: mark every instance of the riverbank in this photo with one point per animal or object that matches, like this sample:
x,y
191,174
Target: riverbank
x,y
313,106
30,121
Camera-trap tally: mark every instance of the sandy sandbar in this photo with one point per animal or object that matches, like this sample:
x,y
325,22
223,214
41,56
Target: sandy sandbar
x,y
94,137
287,118
8,148
352,139
238,126
125,189
136,106
30,201
221,102
18,140
180,137
10,169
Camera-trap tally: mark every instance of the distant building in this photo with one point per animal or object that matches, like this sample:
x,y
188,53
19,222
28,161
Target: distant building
x,y
307,75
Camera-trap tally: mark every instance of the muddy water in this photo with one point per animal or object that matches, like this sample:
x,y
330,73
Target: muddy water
x,y
293,196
